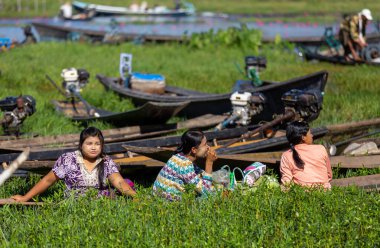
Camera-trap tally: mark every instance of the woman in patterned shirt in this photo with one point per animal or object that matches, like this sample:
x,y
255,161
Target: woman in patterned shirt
x,y
180,169
88,167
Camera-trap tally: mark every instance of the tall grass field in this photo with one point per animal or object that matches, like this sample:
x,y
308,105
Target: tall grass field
x,y
266,217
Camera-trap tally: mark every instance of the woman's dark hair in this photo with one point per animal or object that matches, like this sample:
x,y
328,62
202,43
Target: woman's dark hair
x,y
294,132
94,132
190,139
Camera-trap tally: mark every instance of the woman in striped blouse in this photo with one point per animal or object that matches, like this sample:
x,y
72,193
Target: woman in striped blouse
x,y
180,169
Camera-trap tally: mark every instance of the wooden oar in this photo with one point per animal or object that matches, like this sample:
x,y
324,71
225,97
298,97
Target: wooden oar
x,y
14,166
55,85
285,117
353,126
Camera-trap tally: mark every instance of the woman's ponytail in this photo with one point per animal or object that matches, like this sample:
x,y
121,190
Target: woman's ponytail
x,y
294,132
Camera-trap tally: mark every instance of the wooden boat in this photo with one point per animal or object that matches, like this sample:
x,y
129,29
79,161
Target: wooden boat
x,y
269,158
336,59
117,147
48,31
173,141
316,41
202,103
324,52
41,153
110,135
156,157
149,113
113,10
9,103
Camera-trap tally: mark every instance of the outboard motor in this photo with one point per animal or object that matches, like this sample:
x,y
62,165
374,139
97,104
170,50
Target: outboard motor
x,y
12,120
305,104
74,80
253,65
245,105
299,105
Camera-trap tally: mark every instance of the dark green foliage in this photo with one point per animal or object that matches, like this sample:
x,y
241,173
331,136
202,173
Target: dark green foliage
x,y
243,38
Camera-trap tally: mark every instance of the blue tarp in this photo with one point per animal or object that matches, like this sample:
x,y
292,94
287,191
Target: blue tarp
x,y
143,76
5,42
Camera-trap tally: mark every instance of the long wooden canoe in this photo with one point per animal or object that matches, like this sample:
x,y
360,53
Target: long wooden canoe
x,y
336,59
273,158
112,135
149,113
113,148
201,103
49,31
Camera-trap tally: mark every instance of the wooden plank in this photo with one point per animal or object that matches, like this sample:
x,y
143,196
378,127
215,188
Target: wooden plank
x,y
353,126
370,161
371,182
9,201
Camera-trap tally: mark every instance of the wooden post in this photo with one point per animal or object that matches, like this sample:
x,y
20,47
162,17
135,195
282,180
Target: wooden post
x,y
19,7
44,6
36,6
1,5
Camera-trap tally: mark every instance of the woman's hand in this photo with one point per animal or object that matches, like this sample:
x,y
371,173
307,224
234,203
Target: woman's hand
x,y
210,158
19,198
211,155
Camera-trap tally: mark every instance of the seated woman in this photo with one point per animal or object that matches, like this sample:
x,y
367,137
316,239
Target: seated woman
x,y
88,167
304,164
180,169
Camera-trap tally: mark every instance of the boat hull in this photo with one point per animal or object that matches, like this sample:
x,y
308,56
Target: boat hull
x,y
203,103
148,114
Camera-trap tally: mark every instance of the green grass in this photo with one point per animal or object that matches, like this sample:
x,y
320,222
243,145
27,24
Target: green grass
x,y
266,218
209,70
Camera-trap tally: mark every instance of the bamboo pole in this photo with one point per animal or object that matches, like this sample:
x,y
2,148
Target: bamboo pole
x,y
36,5
14,165
19,5
353,126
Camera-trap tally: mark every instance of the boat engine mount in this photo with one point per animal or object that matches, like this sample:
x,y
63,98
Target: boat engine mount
x,y
305,104
245,105
254,65
74,80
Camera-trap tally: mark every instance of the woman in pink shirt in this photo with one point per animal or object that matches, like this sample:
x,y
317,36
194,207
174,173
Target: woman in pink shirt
x,y
304,164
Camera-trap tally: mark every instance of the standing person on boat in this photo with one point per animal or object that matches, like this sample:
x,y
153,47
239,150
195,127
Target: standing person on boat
x,y
352,33
86,168
180,169
66,11
304,164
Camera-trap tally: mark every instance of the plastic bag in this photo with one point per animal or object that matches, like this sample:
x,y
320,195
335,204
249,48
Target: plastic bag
x,y
222,176
253,172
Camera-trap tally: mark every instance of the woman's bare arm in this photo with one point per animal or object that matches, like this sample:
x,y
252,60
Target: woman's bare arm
x,y
118,182
39,188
